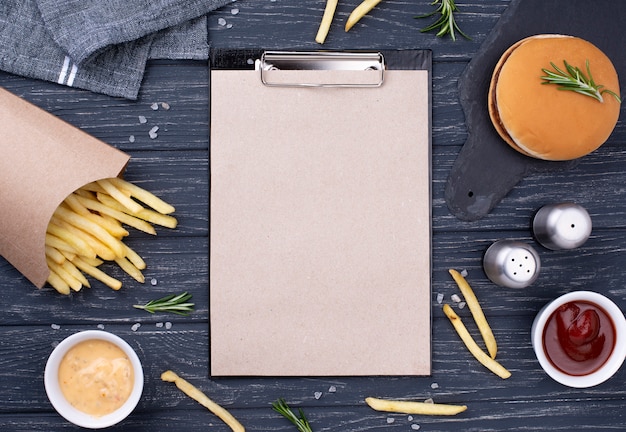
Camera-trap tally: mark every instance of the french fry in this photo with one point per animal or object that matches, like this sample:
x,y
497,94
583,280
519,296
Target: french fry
x,y
77,243
360,11
197,395
143,195
120,196
91,227
97,274
471,345
54,255
418,408
58,283
76,274
65,275
134,258
95,244
130,269
58,244
327,19
124,218
477,312
157,218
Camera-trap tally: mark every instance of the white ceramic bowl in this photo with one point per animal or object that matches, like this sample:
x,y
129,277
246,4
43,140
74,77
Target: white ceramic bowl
x,y
610,366
64,408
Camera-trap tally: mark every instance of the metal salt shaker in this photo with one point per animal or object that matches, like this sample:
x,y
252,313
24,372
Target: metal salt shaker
x,y
562,226
511,264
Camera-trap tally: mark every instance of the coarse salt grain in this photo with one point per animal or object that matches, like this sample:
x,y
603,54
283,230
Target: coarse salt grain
x,y
143,119
415,426
429,400
317,395
153,281
159,324
168,325
55,326
410,418
135,327
462,305
100,326
455,298
464,272
131,138
439,298
165,106
434,386
234,11
221,22
390,420
154,106
153,132
332,389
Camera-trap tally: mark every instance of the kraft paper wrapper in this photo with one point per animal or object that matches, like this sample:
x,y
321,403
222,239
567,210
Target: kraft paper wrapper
x,y
42,160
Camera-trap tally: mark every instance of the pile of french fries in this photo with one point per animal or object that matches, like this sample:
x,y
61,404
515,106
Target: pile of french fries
x,y
87,229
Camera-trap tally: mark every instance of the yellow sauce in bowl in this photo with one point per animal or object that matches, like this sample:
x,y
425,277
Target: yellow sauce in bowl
x,y
96,377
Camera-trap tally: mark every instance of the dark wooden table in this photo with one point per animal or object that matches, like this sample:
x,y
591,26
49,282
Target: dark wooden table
x,y
175,166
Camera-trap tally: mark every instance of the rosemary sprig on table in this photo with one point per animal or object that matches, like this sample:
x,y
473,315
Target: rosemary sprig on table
x,y
446,24
300,421
574,79
174,303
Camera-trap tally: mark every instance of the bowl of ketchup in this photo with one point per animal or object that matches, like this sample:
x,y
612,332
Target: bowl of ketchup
x,y
580,338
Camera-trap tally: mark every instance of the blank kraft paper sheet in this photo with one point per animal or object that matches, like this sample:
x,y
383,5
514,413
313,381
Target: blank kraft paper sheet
x,y
320,227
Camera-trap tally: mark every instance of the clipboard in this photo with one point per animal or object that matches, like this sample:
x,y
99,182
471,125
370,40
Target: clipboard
x,y
320,213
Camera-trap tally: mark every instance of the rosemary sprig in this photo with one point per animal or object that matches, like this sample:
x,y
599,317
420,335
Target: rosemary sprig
x,y
174,303
301,422
446,24
574,79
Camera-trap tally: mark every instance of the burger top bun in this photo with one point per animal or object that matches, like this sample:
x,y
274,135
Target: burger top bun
x,y
540,120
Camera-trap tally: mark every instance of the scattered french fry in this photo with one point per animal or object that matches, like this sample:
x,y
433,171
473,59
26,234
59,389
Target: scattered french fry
x,y
197,395
477,312
471,345
327,19
360,11
87,228
417,408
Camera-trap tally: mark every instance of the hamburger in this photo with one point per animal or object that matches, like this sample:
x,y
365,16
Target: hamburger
x,y
537,117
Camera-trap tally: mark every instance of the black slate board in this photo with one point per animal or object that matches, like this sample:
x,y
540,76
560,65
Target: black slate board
x,y
487,169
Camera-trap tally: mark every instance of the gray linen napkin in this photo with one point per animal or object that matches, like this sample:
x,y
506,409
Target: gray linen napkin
x,y
100,45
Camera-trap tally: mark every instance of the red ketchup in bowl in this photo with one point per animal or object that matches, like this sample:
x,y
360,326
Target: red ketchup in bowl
x,y
578,338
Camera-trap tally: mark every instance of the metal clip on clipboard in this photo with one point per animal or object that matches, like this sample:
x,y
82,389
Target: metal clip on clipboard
x,y
272,63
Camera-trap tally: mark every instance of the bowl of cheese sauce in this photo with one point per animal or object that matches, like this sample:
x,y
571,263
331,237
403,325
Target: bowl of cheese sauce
x,y
93,379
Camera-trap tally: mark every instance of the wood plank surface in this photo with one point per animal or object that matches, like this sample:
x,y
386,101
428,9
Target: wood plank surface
x,y
175,166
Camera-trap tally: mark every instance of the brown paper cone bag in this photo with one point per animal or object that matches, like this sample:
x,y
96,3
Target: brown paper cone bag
x,y
42,160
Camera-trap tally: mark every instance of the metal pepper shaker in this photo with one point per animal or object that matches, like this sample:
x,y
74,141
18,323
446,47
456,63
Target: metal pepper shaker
x,y
511,263
561,226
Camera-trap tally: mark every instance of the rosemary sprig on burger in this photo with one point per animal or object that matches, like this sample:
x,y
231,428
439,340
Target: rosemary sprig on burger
x,y
574,79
